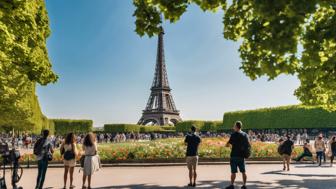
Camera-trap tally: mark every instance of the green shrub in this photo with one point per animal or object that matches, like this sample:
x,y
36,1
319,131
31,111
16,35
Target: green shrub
x,y
211,126
296,117
150,129
167,131
184,126
64,126
169,128
121,128
125,128
48,124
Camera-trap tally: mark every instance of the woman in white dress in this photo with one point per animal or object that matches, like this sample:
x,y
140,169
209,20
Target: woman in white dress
x,y
91,161
69,153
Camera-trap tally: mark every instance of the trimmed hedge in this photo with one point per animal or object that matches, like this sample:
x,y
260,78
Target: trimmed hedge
x,y
126,128
168,128
283,117
121,128
150,129
48,124
203,126
64,126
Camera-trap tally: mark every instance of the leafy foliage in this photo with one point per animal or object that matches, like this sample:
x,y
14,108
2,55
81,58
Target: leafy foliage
x,y
271,34
24,60
185,126
126,128
293,117
33,122
64,126
121,128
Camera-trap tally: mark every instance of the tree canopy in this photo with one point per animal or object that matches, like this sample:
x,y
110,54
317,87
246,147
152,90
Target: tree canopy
x,y
277,37
24,28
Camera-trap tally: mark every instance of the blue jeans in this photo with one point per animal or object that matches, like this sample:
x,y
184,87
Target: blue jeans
x,y
319,156
42,170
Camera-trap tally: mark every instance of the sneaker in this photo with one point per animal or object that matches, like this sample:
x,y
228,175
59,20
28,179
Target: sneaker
x,y
194,185
243,187
230,187
190,185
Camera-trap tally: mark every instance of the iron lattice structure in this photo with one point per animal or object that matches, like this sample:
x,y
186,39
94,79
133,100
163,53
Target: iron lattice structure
x,y
160,108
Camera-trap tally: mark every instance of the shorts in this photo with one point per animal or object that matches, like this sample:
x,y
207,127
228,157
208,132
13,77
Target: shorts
x,y
192,162
286,157
237,162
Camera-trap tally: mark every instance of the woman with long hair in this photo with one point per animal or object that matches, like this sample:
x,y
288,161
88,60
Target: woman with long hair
x,y
91,161
69,153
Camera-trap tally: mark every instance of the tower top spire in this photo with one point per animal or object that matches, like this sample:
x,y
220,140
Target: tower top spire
x,y
160,108
160,76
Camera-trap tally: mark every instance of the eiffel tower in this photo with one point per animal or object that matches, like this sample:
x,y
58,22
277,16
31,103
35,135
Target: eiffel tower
x,y
160,108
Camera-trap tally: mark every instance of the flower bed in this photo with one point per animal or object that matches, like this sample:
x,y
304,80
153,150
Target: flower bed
x,y
171,150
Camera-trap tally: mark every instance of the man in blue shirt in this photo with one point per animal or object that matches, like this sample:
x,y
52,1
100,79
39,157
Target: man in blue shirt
x,y
192,141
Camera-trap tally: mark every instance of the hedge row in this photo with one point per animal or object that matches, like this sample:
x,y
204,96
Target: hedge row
x,y
294,117
127,128
120,128
202,126
64,126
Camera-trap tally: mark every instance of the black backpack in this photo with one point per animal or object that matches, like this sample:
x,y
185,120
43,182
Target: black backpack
x,y
281,149
245,146
38,147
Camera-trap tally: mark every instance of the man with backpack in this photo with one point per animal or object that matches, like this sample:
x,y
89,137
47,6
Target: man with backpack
x,y
241,149
286,148
43,150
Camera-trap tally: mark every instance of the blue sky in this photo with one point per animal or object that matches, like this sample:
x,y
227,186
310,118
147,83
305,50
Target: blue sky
x,y
106,69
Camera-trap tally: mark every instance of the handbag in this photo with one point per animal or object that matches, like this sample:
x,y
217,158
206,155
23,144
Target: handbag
x,y
70,154
81,160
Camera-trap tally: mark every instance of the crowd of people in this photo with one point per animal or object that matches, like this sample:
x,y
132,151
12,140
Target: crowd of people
x,y
90,162
45,145
320,150
123,137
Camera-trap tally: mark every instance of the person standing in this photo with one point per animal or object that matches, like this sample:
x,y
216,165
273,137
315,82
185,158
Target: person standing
x,y
43,150
91,161
287,148
332,146
192,141
239,141
69,153
320,149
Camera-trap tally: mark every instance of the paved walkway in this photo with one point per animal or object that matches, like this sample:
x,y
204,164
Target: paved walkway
x,y
213,176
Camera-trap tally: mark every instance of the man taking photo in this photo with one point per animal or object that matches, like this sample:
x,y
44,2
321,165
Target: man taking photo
x,y
192,141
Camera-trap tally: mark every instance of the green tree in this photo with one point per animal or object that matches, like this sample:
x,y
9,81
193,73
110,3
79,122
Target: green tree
x,y
24,61
277,37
